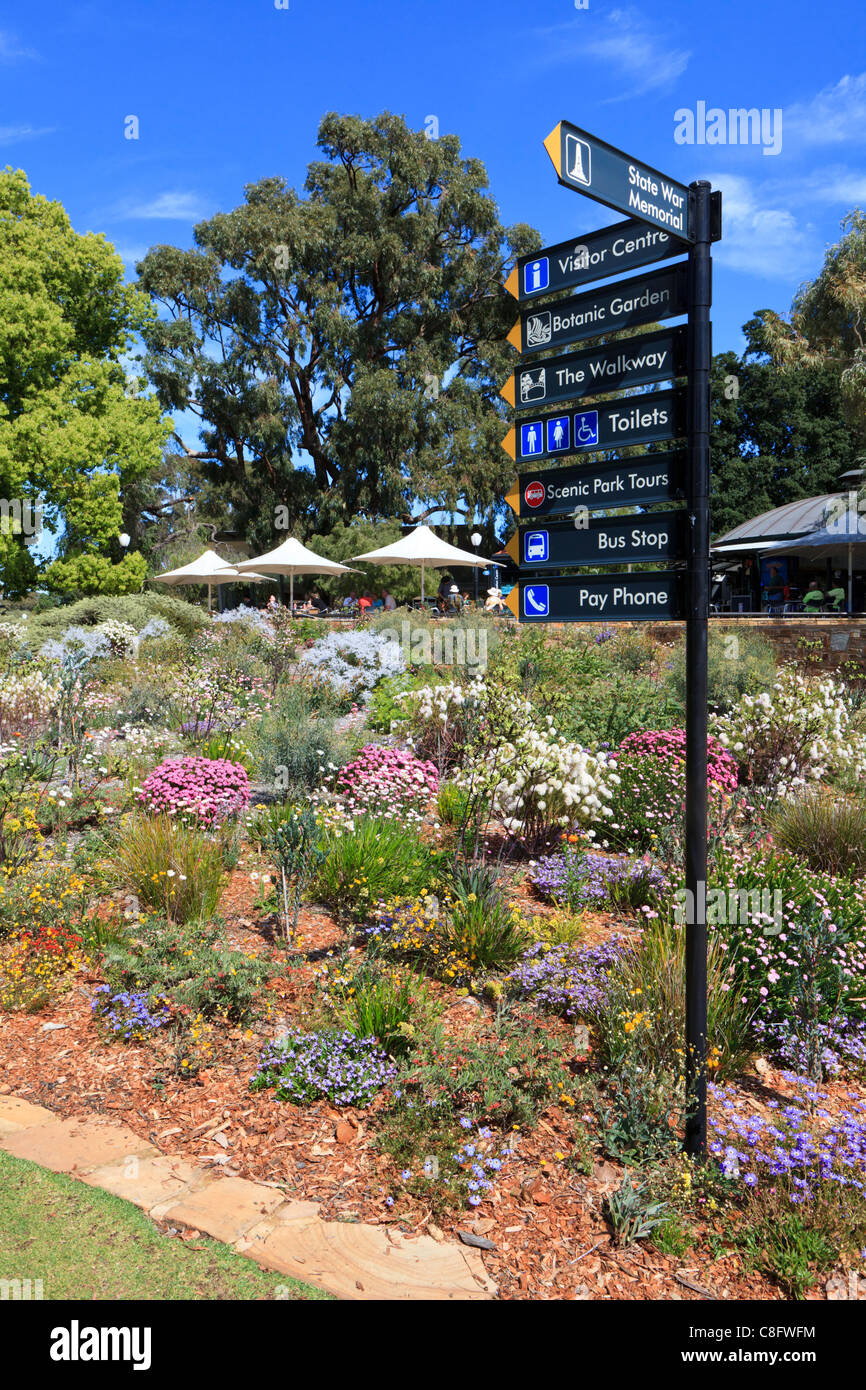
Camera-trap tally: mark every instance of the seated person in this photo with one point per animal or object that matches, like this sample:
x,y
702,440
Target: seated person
x,y
350,601
365,601
836,596
444,588
315,603
494,602
453,601
388,601
813,600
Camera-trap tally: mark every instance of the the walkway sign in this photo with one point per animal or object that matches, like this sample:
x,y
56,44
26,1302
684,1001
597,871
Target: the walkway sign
x,y
613,598
618,540
596,256
651,418
628,362
662,294
591,166
626,483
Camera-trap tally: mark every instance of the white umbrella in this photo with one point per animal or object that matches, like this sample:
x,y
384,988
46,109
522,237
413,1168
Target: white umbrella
x,y
292,558
208,569
422,547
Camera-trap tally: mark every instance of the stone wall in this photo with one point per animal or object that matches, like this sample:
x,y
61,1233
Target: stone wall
x,y
829,643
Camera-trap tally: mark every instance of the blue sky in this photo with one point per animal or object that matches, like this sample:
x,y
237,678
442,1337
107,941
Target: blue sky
x,y
227,93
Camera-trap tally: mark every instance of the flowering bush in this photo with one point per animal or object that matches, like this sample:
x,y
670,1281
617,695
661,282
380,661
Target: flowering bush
x,y
797,732
566,980
132,1015
339,1067
800,1149
802,968
207,790
32,963
650,796
351,663
27,699
584,880
514,762
388,781
244,614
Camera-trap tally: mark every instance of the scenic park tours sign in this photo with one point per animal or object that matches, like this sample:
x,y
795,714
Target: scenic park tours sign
x,y
587,410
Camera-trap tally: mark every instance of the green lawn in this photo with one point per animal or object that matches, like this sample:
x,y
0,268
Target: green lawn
x,y
86,1244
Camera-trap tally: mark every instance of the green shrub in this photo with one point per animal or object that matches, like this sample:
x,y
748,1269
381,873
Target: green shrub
x,y
135,609
642,1012
377,861
824,829
294,744
172,869
187,965
741,661
791,1249
393,1006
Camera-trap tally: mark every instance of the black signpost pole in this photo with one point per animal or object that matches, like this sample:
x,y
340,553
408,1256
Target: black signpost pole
x,y
699,360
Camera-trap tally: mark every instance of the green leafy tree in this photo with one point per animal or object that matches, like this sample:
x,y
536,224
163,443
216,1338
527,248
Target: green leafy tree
x,y
357,331
827,323
778,434
74,429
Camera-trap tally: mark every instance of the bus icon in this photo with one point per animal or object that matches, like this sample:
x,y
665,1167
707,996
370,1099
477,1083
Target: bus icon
x,y
536,546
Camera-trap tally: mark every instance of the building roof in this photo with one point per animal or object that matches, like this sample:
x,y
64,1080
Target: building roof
x,y
782,523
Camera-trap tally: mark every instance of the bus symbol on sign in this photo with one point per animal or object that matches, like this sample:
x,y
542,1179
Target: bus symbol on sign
x,y
534,494
536,546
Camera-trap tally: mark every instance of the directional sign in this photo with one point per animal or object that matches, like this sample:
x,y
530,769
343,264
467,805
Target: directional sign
x,y
612,598
647,419
591,166
612,367
557,491
596,256
626,304
620,540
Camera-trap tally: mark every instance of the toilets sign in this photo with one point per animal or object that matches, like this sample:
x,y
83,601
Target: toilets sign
x,y
591,166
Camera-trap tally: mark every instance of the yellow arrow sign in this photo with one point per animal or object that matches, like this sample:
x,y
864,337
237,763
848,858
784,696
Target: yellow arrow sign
x,y
509,444
512,497
513,548
513,601
507,392
553,145
514,337
512,284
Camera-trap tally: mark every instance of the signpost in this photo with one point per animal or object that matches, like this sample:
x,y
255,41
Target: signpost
x,y
626,483
649,419
596,256
665,219
615,366
617,541
662,294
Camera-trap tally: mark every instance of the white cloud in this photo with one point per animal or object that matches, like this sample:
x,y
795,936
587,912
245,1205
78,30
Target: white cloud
x,y
11,134
10,50
627,45
760,237
846,187
166,207
835,116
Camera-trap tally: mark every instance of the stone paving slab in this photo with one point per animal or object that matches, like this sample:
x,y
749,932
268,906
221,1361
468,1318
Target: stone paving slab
x,y
147,1182
348,1259
355,1261
70,1146
225,1208
16,1114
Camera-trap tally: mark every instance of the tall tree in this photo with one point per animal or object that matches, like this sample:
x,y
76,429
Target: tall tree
x,y
344,350
74,429
827,323
778,434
